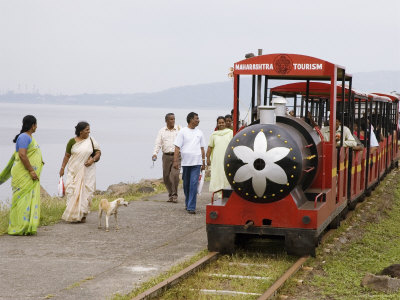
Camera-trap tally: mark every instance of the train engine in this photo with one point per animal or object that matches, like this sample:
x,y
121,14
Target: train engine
x,y
270,167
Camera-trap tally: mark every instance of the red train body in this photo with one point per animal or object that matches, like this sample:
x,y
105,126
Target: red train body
x,y
286,178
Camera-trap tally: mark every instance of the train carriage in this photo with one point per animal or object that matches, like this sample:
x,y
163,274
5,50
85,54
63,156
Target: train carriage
x,y
393,153
286,178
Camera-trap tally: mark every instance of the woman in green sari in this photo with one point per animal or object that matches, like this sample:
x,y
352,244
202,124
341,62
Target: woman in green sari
x,y
24,167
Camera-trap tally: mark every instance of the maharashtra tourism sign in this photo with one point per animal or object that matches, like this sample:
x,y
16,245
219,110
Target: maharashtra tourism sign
x,y
281,64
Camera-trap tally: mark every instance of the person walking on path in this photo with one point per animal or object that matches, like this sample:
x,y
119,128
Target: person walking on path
x,y
219,141
165,141
190,143
81,154
25,167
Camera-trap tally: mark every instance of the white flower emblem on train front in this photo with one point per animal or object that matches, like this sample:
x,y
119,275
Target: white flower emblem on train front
x,y
260,164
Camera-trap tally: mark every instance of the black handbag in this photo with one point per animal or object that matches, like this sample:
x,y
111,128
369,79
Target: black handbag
x,y
94,151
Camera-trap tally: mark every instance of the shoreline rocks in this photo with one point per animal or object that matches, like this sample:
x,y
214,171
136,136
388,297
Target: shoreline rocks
x,y
385,281
118,189
145,186
382,283
44,193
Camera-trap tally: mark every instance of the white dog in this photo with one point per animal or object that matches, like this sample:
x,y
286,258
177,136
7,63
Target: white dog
x,y
110,208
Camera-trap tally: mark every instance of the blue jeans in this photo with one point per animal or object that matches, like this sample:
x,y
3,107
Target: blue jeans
x,y
190,177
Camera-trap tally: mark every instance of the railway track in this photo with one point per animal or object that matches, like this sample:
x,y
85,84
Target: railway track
x,y
217,275
223,269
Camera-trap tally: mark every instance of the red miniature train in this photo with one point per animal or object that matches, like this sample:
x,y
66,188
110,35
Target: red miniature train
x,y
291,175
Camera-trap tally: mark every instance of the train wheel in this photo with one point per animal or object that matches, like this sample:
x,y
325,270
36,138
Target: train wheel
x,y
344,212
352,205
241,240
336,222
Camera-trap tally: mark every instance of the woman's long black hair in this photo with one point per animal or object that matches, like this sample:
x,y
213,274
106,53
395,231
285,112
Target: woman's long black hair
x,y
27,123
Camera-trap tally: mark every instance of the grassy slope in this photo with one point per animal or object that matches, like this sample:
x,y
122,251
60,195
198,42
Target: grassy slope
x,y
367,242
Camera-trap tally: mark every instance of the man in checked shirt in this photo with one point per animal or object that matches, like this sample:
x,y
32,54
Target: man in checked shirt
x,y
165,141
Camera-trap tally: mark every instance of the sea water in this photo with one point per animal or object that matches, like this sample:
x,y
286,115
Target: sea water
x,y
125,134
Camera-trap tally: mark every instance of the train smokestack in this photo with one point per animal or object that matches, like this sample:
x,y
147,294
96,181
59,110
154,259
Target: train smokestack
x,y
267,114
280,104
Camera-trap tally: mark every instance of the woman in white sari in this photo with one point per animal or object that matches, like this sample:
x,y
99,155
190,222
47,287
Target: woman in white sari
x,y
81,154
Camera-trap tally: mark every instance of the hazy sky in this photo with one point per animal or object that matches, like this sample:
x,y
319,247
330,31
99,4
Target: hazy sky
x,y
99,46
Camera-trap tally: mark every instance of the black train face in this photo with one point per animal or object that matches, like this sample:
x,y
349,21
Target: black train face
x,y
263,163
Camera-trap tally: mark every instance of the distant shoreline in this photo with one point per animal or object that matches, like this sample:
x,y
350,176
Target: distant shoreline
x,y
209,95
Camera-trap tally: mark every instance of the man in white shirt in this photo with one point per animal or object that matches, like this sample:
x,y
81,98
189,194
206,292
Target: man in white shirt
x,y
348,139
190,144
165,141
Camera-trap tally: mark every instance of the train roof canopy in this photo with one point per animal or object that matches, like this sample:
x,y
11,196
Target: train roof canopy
x,y
376,97
392,97
316,89
289,66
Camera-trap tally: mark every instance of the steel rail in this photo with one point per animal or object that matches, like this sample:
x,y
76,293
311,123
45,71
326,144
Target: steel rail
x,y
268,294
277,284
175,279
273,289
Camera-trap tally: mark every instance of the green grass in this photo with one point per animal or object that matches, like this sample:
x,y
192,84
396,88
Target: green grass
x,y
79,283
373,244
377,249
4,215
52,208
255,261
268,265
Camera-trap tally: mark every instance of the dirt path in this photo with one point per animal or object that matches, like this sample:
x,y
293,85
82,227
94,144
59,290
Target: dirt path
x,y
79,261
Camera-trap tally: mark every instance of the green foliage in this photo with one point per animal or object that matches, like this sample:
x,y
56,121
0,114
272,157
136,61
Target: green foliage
x,y
51,210
376,247
4,216
79,283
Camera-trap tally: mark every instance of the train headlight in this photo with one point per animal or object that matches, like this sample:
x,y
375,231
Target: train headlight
x,y
306,220
213,215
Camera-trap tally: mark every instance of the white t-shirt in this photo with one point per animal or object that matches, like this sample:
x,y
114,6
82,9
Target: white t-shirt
x,y
374,142
190,141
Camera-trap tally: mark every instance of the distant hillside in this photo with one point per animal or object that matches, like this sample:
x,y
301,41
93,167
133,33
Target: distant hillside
x,y
203,95
218,94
